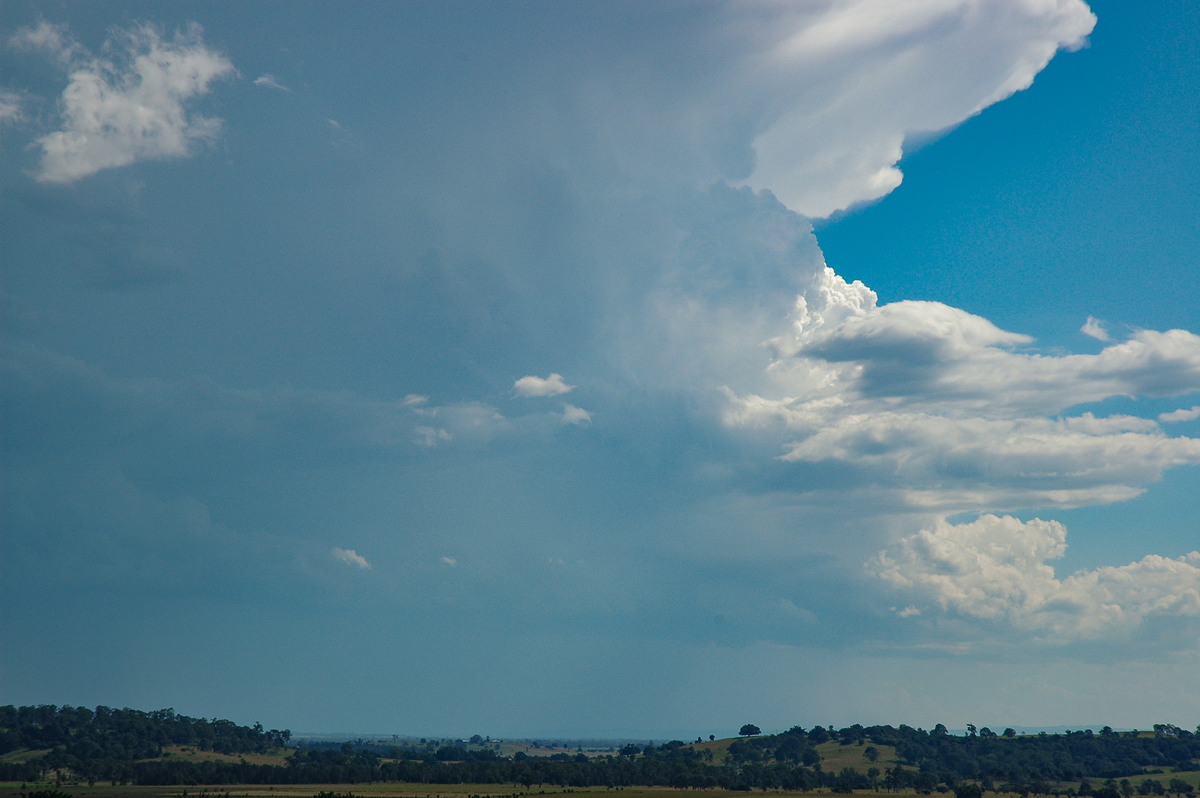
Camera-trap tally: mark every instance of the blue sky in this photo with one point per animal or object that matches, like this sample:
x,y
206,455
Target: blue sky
x,y
602,369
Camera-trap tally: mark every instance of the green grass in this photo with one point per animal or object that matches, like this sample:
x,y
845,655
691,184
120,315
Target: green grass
x,y
719,748
1192,777
24,754
835,757
188,753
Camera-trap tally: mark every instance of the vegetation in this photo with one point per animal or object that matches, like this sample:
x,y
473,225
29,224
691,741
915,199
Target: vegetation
x,y
69,745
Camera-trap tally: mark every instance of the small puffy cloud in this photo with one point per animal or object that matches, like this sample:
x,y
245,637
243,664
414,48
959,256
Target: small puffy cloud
x,y
268,81
449,561
1177,416
997,569
542,386
575,415
351,557
1094,328
116,113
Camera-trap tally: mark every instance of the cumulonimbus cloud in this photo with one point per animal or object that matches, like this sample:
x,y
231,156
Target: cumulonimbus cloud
x,y
852,81
998,569
117,112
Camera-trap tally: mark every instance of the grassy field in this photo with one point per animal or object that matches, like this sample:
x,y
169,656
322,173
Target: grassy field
x,y
24,754
835,757
185,753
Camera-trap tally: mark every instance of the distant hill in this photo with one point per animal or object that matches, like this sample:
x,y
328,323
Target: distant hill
x,y
106,743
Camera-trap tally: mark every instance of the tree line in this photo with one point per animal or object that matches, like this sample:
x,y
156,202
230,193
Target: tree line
x,y
127,745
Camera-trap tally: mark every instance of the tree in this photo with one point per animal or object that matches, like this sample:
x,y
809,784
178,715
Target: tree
x,y
968,791
749,730
871,753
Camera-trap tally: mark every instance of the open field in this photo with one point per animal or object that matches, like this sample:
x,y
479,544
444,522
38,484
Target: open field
x,y
24,754
835,756
188,753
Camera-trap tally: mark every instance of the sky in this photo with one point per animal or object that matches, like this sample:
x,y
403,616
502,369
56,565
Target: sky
x,y
602,369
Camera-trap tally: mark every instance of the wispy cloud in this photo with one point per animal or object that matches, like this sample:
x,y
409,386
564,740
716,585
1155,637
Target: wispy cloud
x,y
268,81
429,437
11,108
54,40
542,386
351,557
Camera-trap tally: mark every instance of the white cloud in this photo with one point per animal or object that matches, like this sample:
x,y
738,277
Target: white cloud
x,y
575,415
11,110
1095,328
450,561
52,39
430,436
1176,416
542,386
118,112
351,557
848,82
940,409
964,463
268,81
997,569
